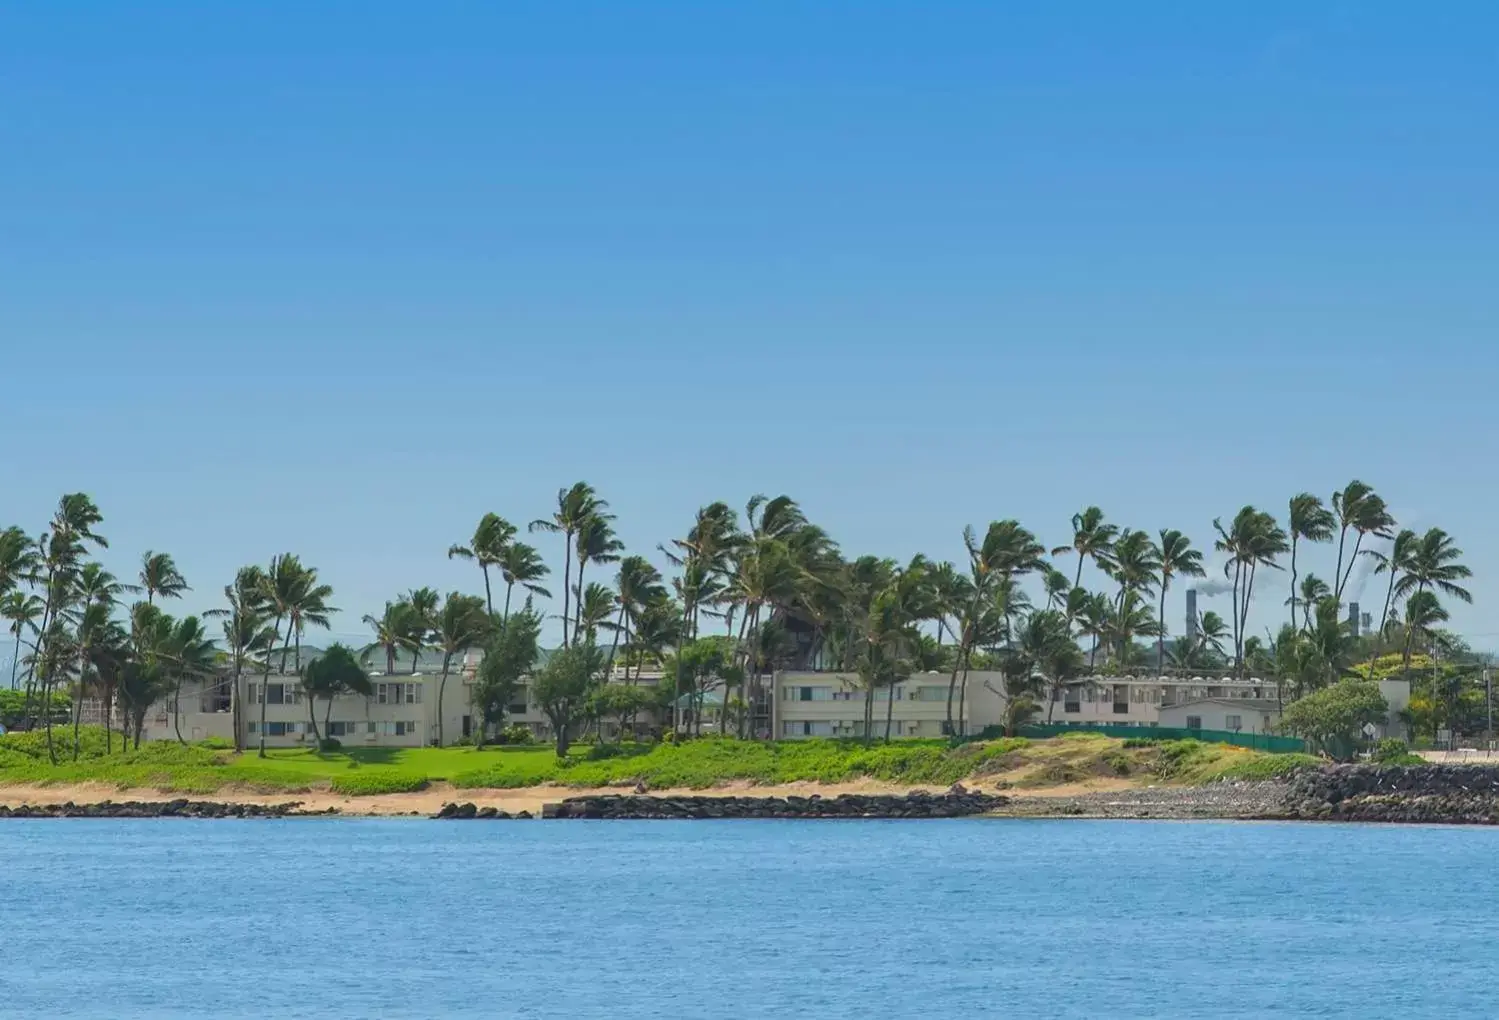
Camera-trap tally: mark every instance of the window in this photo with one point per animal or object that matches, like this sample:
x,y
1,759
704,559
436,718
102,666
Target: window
x,y
930,693
400,728
275,694
252,692
342,729
254,727
1072,704
518,708
1194,722
1234,722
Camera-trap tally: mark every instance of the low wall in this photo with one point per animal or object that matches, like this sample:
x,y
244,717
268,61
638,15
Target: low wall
x,y
1454,794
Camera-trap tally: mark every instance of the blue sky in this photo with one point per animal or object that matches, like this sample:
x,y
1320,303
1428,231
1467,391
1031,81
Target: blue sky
x,y
338,278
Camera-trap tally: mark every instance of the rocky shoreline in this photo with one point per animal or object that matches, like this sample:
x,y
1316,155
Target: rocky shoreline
x,y
955,803
1412,794
162,809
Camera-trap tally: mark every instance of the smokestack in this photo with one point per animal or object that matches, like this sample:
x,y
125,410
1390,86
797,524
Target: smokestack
x,y
1353,618
1192,614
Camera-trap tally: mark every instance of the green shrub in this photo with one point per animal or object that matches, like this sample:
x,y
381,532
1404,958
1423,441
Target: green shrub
x,y
370,782
517,734
330,744
217,743
1394,751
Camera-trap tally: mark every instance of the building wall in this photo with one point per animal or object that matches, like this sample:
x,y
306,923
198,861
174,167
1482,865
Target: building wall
x,y
1217,715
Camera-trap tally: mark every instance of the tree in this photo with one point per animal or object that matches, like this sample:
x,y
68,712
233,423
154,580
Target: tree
x,y
160,576
1423,612
1253,540
1176,558
563,687
282,585
491,538
639,585
21,611
1359,508
575,507
336,671
509,654
1313,590
1433,565
1308,520
1092,537
521,565
245,634
189,654
595,606
1334,717
308,609
393,630
1394,563
421,621
617,701
462,624
1212,632
596,543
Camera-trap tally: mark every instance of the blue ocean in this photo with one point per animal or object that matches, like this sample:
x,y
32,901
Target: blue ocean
x,y
325,918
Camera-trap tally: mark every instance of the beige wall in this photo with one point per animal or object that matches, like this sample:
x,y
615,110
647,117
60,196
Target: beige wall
x,y
1221,715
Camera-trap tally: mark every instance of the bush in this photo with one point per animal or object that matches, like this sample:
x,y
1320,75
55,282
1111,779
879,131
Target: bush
x,y
1394,751
329,744
517,734
368,782
217,743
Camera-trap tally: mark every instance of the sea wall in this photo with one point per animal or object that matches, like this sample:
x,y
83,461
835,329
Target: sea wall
x,y
1455,794
955,803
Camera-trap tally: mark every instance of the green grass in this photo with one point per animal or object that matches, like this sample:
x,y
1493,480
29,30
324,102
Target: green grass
x,y
697,764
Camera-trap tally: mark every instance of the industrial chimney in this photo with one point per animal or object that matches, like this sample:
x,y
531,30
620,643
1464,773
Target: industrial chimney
x,y
1191,614
1353,618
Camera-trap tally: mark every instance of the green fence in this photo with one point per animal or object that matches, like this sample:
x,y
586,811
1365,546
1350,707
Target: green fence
x,y
1258,741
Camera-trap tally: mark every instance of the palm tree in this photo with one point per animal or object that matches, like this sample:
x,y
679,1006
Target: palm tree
x,y
160,576
639,585
421,621
1135,563
1092,538
520,564
18,559
575,506
336,671
704,558
595,605
595,543
59,551
22,611
488,545
462,624
392,632
1177,558
1133,618
283,586
1423,612
1093,616
1396,561
1360,508
310,609
1211,633
1253,540
190,655
1312,591
1434,564
1308,520
245,634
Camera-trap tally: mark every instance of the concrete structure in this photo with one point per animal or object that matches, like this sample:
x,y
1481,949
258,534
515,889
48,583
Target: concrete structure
x,y
1236,715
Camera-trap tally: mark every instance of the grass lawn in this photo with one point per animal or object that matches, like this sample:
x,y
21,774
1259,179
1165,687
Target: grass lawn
x,y
697,764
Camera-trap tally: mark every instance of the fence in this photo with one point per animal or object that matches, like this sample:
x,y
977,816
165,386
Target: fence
x,y
1258,741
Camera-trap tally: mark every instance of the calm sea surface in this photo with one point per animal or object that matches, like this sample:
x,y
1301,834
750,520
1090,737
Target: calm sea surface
x,y
349,918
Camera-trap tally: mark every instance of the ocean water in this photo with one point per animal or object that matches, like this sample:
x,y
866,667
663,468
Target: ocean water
x,y
333,918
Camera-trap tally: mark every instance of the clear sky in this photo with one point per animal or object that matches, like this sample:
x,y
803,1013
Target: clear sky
x,y
337,278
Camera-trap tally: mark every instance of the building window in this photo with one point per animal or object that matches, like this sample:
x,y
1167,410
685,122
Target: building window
x,y
1194,722
275,694
519,708
254,727
929,693
1072,705
1234,722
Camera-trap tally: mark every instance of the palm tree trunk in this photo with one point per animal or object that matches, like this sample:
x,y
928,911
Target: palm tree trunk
x,y
1160,639
77,714
488,600
264,680
1293,579
614,645
15,661
328,720
447,659
1238,646
963,696
567,585
1389,598
509,586
1244,622
47,711
1351,561
889,711
1337,571
235,708
952,686
177,711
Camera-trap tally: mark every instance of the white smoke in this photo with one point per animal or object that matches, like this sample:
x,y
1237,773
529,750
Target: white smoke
x,y
1211,586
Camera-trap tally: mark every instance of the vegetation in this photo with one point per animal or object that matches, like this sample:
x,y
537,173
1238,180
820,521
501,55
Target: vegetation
x,y
749,592
1333,718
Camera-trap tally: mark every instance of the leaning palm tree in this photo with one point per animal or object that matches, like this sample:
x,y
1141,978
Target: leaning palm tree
x,y
521,565
392,629
1134,563
487,547
1211,633
1253,540
1433,565
310,609
284,586
18,559
462,623
595,606
1092,617
160,576
639,584
1360,508
595,543
245,634
575,507
1423,612
21,611
1312,592
420,622
1092,537
1177,558
1395,562
189,655
1309,520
